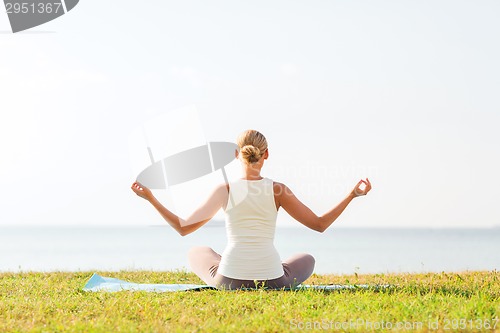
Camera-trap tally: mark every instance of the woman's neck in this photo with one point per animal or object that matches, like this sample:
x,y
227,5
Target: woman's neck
x,y
251,172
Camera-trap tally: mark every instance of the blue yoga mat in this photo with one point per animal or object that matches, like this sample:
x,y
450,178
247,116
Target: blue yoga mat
x,y
101,283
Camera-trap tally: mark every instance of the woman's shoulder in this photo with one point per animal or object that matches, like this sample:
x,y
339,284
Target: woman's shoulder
x,y
279,188
223,187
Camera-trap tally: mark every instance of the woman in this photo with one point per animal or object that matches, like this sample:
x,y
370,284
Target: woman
x,y
251,205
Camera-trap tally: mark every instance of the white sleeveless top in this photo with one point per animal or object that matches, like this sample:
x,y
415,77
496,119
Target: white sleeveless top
x,y
250,225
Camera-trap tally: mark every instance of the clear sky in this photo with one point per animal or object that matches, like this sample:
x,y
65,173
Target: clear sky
x,y
403,92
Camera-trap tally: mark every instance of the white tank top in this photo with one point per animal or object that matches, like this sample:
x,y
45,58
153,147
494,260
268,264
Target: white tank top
x,y
250,225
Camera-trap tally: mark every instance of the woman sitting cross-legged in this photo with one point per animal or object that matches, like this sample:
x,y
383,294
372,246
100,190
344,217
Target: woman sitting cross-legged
x,y
251,206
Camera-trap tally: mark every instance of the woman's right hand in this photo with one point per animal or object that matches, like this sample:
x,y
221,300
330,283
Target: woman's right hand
x,y
357,191
142,191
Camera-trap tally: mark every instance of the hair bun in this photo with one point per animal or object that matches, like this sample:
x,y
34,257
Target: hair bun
x,y
250,153
252,145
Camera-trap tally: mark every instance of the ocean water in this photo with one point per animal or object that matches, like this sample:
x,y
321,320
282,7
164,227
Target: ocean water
x,y
337,251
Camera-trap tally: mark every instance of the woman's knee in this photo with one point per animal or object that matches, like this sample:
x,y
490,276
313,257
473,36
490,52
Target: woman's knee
x,y
303,265
309,261
198,251
299,267
302,258
201,255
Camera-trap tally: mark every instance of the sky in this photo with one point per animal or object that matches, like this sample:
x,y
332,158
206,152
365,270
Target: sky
x,y
405,93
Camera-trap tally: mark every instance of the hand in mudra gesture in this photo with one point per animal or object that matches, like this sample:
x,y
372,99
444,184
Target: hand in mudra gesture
x,y
141,190
359,191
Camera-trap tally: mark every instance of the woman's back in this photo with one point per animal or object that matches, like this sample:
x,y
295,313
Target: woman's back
x,y
250,225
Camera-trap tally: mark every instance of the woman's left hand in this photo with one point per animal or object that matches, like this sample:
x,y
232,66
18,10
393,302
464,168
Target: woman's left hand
x,y
142,191
358,191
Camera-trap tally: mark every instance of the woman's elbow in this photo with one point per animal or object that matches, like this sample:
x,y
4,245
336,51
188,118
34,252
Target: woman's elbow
x,y
319,229
315,225
183,232
319,226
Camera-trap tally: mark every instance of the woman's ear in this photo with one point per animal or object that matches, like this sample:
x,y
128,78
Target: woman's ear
x,y
236,153
266,154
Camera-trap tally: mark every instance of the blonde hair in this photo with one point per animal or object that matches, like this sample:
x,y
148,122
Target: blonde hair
x,y
252,146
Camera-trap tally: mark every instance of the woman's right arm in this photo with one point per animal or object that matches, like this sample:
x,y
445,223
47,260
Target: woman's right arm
x,y
306,216
199,217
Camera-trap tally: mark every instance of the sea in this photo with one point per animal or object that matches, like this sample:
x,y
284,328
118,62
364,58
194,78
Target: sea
x,y
160,248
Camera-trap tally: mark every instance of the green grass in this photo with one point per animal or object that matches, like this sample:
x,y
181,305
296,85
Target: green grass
x,y
55,302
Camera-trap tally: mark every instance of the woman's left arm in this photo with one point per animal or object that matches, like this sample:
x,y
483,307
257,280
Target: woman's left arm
x,y
201,216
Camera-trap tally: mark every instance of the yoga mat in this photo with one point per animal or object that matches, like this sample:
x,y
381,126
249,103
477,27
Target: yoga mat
x,y
100,283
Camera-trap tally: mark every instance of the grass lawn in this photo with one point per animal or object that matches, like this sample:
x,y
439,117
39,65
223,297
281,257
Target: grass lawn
x,y
437,302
